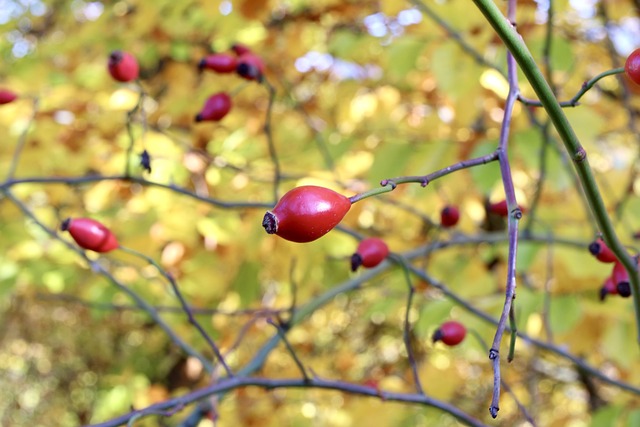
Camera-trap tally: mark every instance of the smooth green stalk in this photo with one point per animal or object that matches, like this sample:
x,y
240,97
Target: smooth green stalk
x,y
525,60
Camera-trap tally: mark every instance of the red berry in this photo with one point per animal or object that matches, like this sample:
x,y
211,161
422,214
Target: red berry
x,y
7,96
240,49
619,274
215,107
502,209
123,66
450,333
370,252
250,66
601,251
219,62
306,213
608,288
90,234
449,216
632,66
620,278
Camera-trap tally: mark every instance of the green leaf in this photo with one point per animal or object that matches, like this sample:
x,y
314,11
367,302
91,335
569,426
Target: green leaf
x,y
390,160
527,252
634,418
457,74
433,313
486,176
565,312
604,416
403,55
246,283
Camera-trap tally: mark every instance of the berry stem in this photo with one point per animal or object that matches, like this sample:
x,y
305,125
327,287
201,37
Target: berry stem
x,y
424,180
573,102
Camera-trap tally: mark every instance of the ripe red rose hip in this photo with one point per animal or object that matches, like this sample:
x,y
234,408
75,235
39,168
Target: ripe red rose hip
x,y
449,216
215,108
219,62
632,66
90,234
451,333
371,252
123,66
306,213
501,208
601,251
250,66
620,278
7,96
240,49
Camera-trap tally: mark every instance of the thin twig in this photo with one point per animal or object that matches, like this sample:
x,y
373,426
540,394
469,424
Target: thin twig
x,y
513,220
22,140
268,131
98,268
406,330
185,307
294,356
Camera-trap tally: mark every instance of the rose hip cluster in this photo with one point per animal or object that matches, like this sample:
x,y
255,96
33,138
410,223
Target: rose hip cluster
x,y
618,281
124,67
244,63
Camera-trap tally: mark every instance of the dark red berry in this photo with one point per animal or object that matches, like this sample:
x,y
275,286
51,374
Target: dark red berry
x,y
240,49
215,108
90,234
449,216
219,62
601,251
371,252
250,66
621,279
451,333
123,66
632,66
619,274
7,96
306,213
501,208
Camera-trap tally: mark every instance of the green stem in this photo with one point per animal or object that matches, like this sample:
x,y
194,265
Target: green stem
x,y
586,86
523,57
386,187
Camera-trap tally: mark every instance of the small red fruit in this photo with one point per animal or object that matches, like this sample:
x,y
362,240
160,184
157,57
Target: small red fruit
x,y
449,216
306,213
620,278
608,288
250,66
90,234
123,66
502,209
7,96
219,62
632,66
371,252
451,333
240,49
601,251
215,108
619,274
